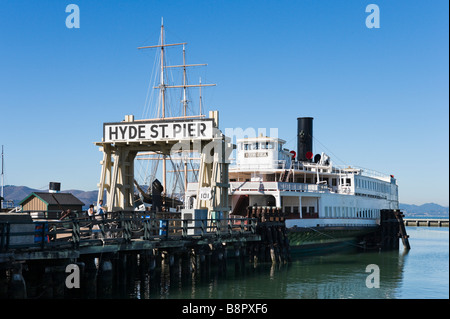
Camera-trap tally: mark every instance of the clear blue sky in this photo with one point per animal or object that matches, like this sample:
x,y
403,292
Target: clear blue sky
x,y
379,97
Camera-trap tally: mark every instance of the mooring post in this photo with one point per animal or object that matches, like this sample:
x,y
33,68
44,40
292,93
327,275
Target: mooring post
x,y
3,283
17,288
120,273
193,261
58,271
89,277
105,278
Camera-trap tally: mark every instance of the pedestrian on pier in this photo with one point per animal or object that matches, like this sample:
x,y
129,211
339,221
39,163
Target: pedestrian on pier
x,y
91,212
100,209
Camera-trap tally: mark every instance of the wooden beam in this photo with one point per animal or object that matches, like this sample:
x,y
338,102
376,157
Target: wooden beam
x,y
161,45
184,65
184,86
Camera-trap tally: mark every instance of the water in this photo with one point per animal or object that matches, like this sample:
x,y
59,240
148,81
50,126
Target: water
x,y
421,273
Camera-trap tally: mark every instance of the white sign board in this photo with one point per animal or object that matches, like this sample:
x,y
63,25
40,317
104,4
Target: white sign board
x,y
205,193
158,130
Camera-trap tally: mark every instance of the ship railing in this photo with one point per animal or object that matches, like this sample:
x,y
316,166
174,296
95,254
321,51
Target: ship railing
x,y
277,164
278,186
364,172
7,204
79,230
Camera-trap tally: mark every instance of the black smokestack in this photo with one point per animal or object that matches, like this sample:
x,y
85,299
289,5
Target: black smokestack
x,y
304,138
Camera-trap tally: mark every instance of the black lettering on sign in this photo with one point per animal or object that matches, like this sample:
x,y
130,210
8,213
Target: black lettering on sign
x,y
141,131
133,132
154,129
112,132
191,129
176,129
123,129
202,129
163,132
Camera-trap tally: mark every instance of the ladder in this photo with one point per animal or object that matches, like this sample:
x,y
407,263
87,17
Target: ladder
x,y
285,176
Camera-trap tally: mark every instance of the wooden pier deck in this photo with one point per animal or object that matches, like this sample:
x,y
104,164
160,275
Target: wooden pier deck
x,y
119,232
35,253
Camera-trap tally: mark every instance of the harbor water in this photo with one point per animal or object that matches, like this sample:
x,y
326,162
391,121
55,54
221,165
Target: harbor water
x,y
421,273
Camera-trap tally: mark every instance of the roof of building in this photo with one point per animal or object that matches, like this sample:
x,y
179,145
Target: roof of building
x,y
63,199
261,139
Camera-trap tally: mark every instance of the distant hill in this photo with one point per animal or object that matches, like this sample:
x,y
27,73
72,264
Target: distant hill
x,y
429,209
18,193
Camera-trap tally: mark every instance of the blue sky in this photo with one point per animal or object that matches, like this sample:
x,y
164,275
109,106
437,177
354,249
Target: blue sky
x,y
379,97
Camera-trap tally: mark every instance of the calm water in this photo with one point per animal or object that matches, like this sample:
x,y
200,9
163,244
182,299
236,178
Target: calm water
x,y
421,273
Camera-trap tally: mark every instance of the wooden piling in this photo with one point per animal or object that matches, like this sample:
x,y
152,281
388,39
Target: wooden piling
x,y
89,277
17,288
105,278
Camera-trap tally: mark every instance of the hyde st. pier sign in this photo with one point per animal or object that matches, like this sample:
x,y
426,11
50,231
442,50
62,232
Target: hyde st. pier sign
x,y
151,131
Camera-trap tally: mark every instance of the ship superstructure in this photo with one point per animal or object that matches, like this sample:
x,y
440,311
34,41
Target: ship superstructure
x,y
309,189
331,202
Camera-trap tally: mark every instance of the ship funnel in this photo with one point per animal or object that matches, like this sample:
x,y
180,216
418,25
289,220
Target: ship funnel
x,y
304,139
54,187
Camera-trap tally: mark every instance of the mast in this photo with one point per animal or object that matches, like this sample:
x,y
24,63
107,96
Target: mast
x,y
163,86
161,82
200,96
184,82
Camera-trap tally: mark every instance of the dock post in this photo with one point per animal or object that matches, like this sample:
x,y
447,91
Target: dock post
x,y
17,288
58,275
89,278
193,261
3,283
105,278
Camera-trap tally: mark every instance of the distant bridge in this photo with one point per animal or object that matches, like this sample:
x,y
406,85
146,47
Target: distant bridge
x,y
426,222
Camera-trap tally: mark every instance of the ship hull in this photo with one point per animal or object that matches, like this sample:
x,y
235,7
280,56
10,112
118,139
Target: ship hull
x,y
320,240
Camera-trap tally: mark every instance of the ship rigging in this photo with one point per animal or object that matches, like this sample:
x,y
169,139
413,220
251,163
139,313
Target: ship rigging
x,y
179,168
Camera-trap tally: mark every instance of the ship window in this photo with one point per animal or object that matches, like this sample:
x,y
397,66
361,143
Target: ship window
x,y
349,182
256,146
246,147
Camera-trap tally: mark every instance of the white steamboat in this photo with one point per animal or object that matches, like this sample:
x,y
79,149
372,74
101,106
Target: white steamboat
x,y
324,204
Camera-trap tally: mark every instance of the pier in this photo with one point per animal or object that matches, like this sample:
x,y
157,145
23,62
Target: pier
x,y
36,253
429,222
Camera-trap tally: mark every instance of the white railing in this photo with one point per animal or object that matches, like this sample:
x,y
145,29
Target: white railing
x,y
278,164
278,186
365,172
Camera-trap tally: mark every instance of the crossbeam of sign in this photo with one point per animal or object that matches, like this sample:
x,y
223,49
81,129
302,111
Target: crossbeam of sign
x,y
157,131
